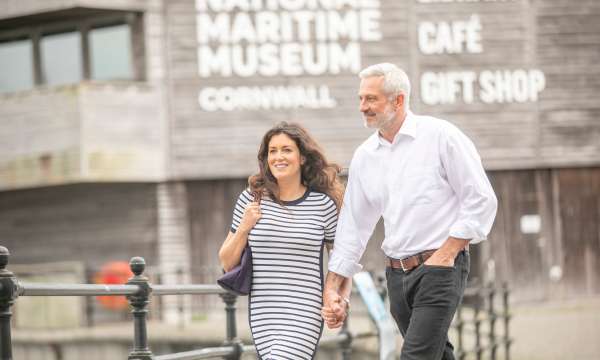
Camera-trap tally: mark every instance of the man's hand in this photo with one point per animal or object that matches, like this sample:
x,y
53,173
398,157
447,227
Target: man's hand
x,y
445,255
441,259
334,318
334,308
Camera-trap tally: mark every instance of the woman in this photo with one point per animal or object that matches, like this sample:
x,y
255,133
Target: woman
x,y
286,216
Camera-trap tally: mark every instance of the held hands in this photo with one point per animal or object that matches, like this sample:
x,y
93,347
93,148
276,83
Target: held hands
x,y
251,216
334,310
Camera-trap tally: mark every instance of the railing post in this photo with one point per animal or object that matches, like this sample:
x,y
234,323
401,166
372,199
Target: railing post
x,y
232,339
8,294
139,303
477,322
507,341
89,300
492,318
180,300
346,345
459,329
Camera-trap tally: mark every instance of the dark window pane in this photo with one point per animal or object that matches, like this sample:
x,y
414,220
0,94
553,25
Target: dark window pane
x,y
111,53
16,65
61,58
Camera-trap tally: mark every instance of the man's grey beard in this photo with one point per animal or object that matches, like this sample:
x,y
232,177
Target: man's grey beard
x,y
383,120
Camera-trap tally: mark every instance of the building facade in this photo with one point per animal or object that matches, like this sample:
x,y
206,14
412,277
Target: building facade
x,y
129,127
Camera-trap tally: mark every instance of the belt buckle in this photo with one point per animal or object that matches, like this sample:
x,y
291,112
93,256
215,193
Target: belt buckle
x,y
402,266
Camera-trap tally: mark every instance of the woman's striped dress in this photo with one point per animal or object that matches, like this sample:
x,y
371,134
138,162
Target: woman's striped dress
x,y
287,280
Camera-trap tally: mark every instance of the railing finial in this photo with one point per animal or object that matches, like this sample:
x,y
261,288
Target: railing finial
x,y
8,295
137,265
139,303
4,255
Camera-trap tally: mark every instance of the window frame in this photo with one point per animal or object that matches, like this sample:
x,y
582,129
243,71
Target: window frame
x,y
83,26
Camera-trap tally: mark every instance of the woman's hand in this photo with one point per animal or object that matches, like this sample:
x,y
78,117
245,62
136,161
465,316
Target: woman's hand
x,y
251,215
335,314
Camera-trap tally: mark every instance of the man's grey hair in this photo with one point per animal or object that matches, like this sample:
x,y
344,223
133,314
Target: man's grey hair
x,y
395,80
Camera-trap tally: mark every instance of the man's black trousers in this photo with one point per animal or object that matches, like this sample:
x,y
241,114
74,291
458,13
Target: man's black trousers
x,y
423,302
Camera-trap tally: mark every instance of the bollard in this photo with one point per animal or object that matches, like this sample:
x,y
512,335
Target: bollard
x,y
139,303
232,339
8,295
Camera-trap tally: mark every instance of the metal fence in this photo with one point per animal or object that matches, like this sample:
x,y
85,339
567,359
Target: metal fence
x,y
138,291
487,325
480,327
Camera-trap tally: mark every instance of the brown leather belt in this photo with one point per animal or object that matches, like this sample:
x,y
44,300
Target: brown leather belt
x,y
411,262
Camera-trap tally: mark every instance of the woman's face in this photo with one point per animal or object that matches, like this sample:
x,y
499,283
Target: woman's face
x,y
284,158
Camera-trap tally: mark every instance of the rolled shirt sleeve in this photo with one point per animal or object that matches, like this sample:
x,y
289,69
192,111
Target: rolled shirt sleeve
x,y
356,223
466,176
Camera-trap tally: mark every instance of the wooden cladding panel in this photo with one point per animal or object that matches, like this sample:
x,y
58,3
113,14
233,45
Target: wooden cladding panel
x,y
580,213
568,51
224,144
515,35
91,223
559,261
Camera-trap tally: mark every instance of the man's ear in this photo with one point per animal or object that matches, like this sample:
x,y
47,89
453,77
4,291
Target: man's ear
x,y
399,101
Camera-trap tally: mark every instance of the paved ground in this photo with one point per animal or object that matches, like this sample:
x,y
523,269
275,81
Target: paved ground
x,y
550,331
557,331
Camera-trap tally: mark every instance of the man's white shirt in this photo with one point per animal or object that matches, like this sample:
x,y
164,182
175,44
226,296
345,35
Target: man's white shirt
x,y
428,184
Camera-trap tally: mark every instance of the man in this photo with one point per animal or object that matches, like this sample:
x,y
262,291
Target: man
x,y
425,177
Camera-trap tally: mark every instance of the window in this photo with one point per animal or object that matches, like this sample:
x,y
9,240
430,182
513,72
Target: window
x,y
107,46
110,53
61,58
16,65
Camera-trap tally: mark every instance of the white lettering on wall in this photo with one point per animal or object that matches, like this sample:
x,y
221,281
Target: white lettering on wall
x,y
290,59
460,1
452,37
503,86
265,98
466,86
245,38
285,5
447,87
245,41
495,86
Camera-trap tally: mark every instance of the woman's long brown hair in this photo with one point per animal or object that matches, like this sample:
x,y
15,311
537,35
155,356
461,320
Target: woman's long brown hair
x,y
317,173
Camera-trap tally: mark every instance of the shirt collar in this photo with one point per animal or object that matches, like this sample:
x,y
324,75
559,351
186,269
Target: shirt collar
x,y
408,128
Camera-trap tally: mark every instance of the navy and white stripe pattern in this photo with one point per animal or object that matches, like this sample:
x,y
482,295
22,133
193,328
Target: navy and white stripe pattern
x,y
287,280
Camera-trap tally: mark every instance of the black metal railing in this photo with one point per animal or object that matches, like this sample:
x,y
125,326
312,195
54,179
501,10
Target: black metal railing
x,y
483,324
480,327
138,291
